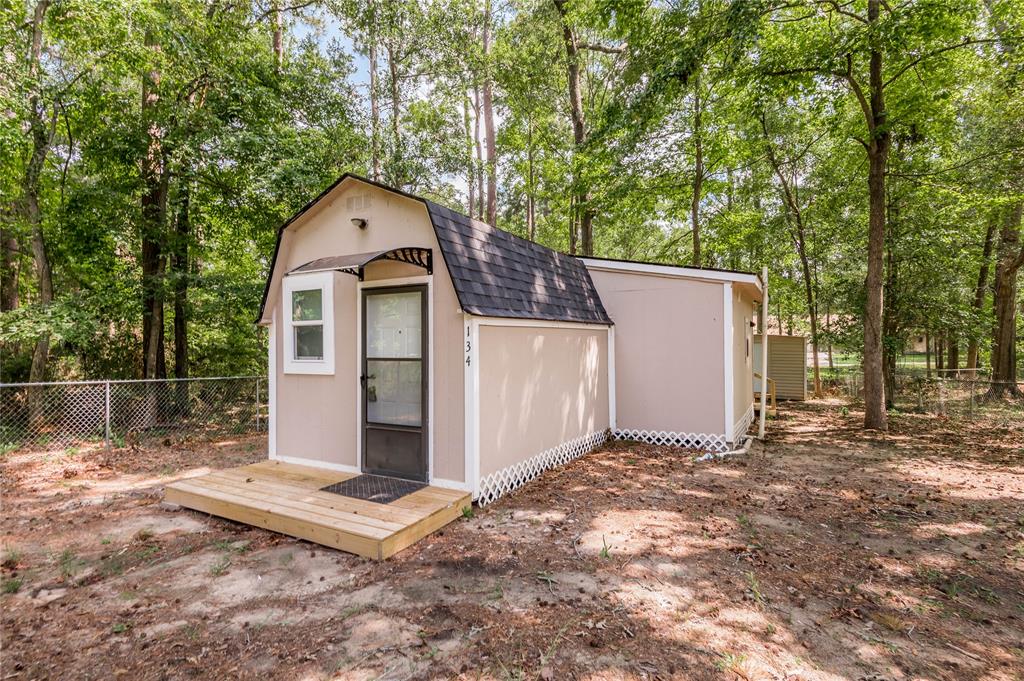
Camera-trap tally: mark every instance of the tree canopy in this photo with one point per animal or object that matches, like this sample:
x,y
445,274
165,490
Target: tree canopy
x,y
868,152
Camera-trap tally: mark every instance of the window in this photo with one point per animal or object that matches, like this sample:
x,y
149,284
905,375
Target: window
x,y
309,323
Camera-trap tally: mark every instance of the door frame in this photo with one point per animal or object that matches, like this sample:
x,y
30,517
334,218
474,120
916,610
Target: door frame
x,y
423,284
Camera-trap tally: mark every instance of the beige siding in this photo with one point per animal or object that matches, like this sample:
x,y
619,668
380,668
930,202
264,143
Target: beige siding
x,y
539,387
317,415
669,359
742,353
787,365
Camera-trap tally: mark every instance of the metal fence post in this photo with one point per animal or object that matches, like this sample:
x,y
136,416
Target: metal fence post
x,y
106,414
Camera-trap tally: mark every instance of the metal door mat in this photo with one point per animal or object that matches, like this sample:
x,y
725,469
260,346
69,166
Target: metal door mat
x,y
379,489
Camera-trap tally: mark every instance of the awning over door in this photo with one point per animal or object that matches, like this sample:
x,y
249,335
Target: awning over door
x,y
354,263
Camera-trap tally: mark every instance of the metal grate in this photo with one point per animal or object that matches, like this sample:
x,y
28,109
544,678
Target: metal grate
x,y
376,488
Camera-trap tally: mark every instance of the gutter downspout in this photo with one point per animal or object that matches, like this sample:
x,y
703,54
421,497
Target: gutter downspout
x,y
764,351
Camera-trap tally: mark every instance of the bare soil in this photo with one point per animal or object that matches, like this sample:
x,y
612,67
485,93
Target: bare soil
x,y
827,553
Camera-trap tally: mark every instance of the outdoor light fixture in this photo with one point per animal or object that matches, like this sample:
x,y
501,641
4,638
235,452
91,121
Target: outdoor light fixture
x,y
359,222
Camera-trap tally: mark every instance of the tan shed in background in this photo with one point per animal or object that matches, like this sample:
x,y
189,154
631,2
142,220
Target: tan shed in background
x,y
787,365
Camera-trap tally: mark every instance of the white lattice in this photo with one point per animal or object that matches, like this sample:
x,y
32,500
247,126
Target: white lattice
x,y
507,479
713,443
740,429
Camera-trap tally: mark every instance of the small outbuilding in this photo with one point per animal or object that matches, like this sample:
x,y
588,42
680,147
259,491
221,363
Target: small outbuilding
x,y
787,365
413,343
409,340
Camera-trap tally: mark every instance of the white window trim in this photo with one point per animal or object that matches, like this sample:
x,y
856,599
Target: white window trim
x,y
304,282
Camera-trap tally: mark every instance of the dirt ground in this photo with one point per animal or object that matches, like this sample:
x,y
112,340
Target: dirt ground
x,y
824,554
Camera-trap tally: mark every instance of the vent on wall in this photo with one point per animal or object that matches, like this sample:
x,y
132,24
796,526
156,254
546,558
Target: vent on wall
x,y
358,202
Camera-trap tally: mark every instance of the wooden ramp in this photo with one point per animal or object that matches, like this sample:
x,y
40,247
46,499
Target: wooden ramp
x,y
286,498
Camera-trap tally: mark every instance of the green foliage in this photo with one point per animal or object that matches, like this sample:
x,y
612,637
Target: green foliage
x,y
247,138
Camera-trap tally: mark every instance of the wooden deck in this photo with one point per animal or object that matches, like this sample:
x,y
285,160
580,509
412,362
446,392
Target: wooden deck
x,y
286,498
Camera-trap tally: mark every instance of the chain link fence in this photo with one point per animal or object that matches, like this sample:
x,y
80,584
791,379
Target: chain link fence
x,y
59,414
949,394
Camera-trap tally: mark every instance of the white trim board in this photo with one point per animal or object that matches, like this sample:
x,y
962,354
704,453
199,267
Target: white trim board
x,y
537,323
672,271
272,388
315,463
450,484
727,357
471,400
611,379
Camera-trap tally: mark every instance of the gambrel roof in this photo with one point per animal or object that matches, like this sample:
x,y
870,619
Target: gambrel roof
x,y
494,273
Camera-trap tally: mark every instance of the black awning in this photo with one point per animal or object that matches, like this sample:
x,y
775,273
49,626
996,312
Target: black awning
x,y
354,263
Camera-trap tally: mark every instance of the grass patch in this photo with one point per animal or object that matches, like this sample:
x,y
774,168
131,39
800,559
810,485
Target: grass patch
x,y
229,546
11,585
12,557
69,563
606,549
467,512
221,566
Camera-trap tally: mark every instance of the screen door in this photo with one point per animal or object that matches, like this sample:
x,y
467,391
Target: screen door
x,y
394,381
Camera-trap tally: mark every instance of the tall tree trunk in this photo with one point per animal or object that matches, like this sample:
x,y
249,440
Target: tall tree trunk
x,y
698,170
531,212
878,155
794,216
470,170
153,208
41,132
479,165
488,104
583,196
928,354
10,253
397,174
979,294
374,106
180,265
953,356
1004,304
828,334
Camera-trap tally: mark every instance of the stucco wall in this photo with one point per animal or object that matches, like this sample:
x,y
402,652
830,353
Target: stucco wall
x,y
317,416
669,360
539,388
742,353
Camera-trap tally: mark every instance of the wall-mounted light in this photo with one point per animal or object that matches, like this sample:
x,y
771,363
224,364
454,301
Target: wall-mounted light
x,y
359,222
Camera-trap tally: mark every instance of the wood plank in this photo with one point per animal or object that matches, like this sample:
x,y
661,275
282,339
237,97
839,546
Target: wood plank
x,y
259,498
412,534
286,498
263,504
314,496
287,471
314,532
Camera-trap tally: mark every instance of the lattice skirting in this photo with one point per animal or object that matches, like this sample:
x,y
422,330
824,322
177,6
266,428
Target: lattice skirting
x,y
740,429
507,479
703,441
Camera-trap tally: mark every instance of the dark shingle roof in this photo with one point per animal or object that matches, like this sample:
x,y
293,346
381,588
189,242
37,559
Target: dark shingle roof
x,y
497,274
